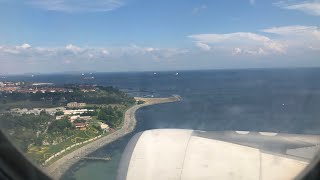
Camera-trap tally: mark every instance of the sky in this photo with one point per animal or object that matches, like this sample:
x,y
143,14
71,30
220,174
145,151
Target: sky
x,y
50,36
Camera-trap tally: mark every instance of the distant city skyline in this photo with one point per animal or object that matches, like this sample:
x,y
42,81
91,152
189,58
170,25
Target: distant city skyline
x,y
51,36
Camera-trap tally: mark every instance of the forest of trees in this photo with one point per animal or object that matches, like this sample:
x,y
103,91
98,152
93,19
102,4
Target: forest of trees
x,y
25,129
112,116
102,95
60,126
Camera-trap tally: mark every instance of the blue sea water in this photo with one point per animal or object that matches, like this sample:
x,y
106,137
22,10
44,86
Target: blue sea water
x,y
276,100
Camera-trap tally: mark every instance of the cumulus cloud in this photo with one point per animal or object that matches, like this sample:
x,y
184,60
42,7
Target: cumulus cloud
x,y
71,6
73,48
73,57
270,44
15,49
150,52
25,46
309,7
104,51
72,52
169,53
10,51
239,51
274,40
247,40
297,36
203,46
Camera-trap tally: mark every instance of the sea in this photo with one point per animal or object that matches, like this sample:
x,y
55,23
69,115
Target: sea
x,y
272,100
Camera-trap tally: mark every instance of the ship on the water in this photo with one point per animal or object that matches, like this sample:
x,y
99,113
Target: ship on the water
x,y
87,77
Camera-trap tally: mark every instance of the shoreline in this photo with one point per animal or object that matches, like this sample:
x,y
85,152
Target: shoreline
x,y
60,166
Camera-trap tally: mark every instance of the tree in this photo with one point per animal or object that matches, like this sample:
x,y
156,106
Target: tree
x,y
111,116
140,102
38,141
43,112
60,125
59,113
97,127
89,113
79,121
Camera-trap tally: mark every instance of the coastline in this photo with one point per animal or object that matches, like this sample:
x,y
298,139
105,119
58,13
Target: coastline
x,y
59,167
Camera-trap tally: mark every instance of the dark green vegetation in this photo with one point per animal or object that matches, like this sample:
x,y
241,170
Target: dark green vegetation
x,y
111,116
140,102
60,126
101,95
41,136
59,113
26,129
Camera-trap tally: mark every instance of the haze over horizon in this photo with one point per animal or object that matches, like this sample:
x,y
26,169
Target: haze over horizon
x,y
50,36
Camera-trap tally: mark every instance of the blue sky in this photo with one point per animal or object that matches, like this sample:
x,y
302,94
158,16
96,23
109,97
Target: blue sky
x,y
147,35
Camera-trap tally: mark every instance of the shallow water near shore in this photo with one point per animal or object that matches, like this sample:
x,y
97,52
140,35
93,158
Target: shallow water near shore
x,y
274,100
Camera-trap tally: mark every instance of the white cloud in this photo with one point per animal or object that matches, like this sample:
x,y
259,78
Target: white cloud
x,y
196,10
152,52
294,30
203,46
73,48
275,40
25,46
309,7
169,53
239,51
10,51
16,49
72,52
71,6
104,51
277,44
150,49
247,40
218,38
297,36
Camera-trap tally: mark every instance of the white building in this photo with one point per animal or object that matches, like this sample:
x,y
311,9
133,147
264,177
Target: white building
x,y
77,111
76,105
104,126
36,111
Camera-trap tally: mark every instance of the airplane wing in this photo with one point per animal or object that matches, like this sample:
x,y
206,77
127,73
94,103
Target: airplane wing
x,y
203,155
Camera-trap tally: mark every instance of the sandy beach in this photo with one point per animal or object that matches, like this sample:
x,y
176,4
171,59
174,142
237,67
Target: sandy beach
x,y
59,167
